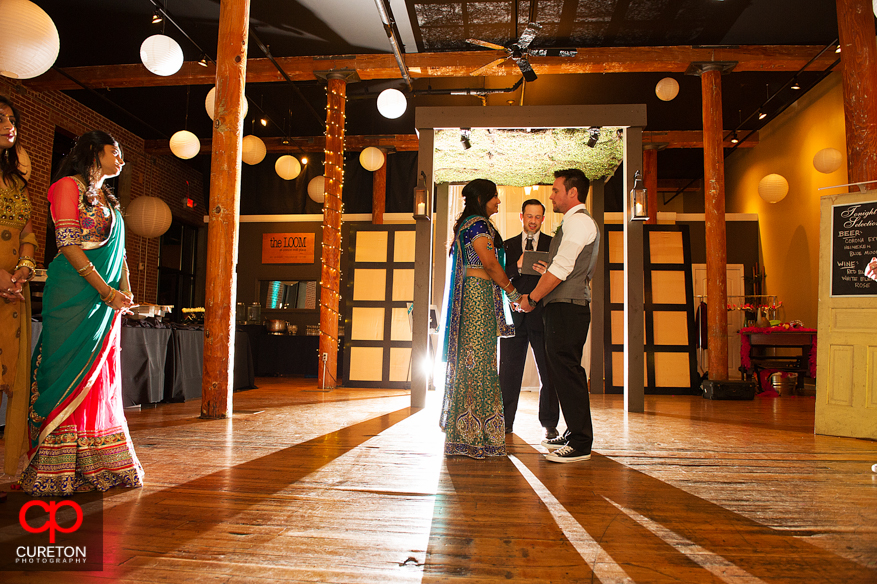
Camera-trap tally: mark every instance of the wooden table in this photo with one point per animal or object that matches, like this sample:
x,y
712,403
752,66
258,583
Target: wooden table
x,y
762,344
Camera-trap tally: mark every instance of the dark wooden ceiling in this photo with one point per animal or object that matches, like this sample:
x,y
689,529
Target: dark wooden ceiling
x,y
109,32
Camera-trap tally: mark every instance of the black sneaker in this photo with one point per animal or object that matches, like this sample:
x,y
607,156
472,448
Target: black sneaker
x,y
567,454
552,443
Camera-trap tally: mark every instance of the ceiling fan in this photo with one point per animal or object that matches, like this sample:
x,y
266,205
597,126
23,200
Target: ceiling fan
x,y
516,51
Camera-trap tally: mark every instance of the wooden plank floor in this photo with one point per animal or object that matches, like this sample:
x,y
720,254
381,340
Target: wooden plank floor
x,y
351,486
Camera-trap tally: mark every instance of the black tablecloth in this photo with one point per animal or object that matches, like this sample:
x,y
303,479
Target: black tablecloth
x,y
282,354
185,365
174,360
144,357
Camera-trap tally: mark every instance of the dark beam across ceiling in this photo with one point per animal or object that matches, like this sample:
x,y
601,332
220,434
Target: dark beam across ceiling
x,y
676,59
409,142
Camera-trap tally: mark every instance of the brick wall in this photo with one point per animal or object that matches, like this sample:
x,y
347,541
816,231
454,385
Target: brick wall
x,y
159,176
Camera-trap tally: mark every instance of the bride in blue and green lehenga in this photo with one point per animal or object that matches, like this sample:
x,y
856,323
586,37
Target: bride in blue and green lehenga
x,y
477,312
76,426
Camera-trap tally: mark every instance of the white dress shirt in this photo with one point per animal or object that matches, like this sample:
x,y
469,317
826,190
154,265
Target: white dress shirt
x,y
579,230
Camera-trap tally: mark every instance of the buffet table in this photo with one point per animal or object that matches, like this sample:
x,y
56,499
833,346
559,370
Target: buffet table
x,y
758,351
166,364
282,354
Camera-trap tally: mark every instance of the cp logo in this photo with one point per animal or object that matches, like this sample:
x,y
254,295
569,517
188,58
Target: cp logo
x,y
52,523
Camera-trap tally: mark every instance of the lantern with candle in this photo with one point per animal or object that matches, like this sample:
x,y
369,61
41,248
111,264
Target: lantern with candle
x,y
422,199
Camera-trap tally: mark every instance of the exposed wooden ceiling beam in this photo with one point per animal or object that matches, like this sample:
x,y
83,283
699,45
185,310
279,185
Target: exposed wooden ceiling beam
x,y
674,59
307,144
403,142
676,184
694,139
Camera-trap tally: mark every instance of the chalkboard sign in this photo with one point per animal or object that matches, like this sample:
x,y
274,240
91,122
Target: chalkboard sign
x,y
853,244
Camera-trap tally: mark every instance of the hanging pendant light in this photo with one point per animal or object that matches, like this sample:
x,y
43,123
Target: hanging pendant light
x,y
210,104
773,188
253,150
148,216
392,103
161,54
317,189
828,160
29,45
667,89
287,167
185,145
371,159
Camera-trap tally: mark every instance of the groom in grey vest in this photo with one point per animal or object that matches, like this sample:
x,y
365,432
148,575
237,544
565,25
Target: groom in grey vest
x,y
564,291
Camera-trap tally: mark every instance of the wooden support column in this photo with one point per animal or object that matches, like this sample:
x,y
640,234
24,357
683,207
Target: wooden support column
x,y
714,204
225,192
379,193
650,174
330,274
855,27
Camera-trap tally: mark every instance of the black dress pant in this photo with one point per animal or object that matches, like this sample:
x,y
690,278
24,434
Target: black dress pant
x,y
513,357
566,330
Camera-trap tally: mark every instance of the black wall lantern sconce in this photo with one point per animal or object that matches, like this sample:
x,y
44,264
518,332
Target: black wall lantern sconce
x,y
639,200
422,200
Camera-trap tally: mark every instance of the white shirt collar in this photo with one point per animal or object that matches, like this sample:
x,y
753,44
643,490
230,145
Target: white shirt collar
x,y
535,239
572,210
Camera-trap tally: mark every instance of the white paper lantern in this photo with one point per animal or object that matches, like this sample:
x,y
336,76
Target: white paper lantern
x,y
828,160
773,188
371,158
392,103
210,104
185,145
317,189
253,150
148,216
161,54
287,167
29,44
667,89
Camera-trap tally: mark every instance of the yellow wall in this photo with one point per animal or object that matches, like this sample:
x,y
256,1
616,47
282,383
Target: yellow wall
x,y
790,228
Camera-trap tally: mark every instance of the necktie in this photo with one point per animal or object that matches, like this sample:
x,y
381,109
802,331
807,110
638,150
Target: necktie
x,y
529,246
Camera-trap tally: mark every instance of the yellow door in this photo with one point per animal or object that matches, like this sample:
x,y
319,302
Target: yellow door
x,y
846,376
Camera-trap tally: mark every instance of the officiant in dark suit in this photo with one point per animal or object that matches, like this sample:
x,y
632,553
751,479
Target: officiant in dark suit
x,y
528,326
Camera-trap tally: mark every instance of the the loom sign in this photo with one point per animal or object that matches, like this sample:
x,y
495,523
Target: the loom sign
x,y
288,248
853,244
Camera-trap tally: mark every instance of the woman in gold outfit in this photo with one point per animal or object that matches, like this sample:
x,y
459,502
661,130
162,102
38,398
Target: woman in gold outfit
x,y
17,247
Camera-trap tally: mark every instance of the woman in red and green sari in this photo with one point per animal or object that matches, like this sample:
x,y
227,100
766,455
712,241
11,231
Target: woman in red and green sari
x,y
79,438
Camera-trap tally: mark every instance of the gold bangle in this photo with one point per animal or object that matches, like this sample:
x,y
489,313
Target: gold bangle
x,y
26,262
89,272
85,268
108,299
